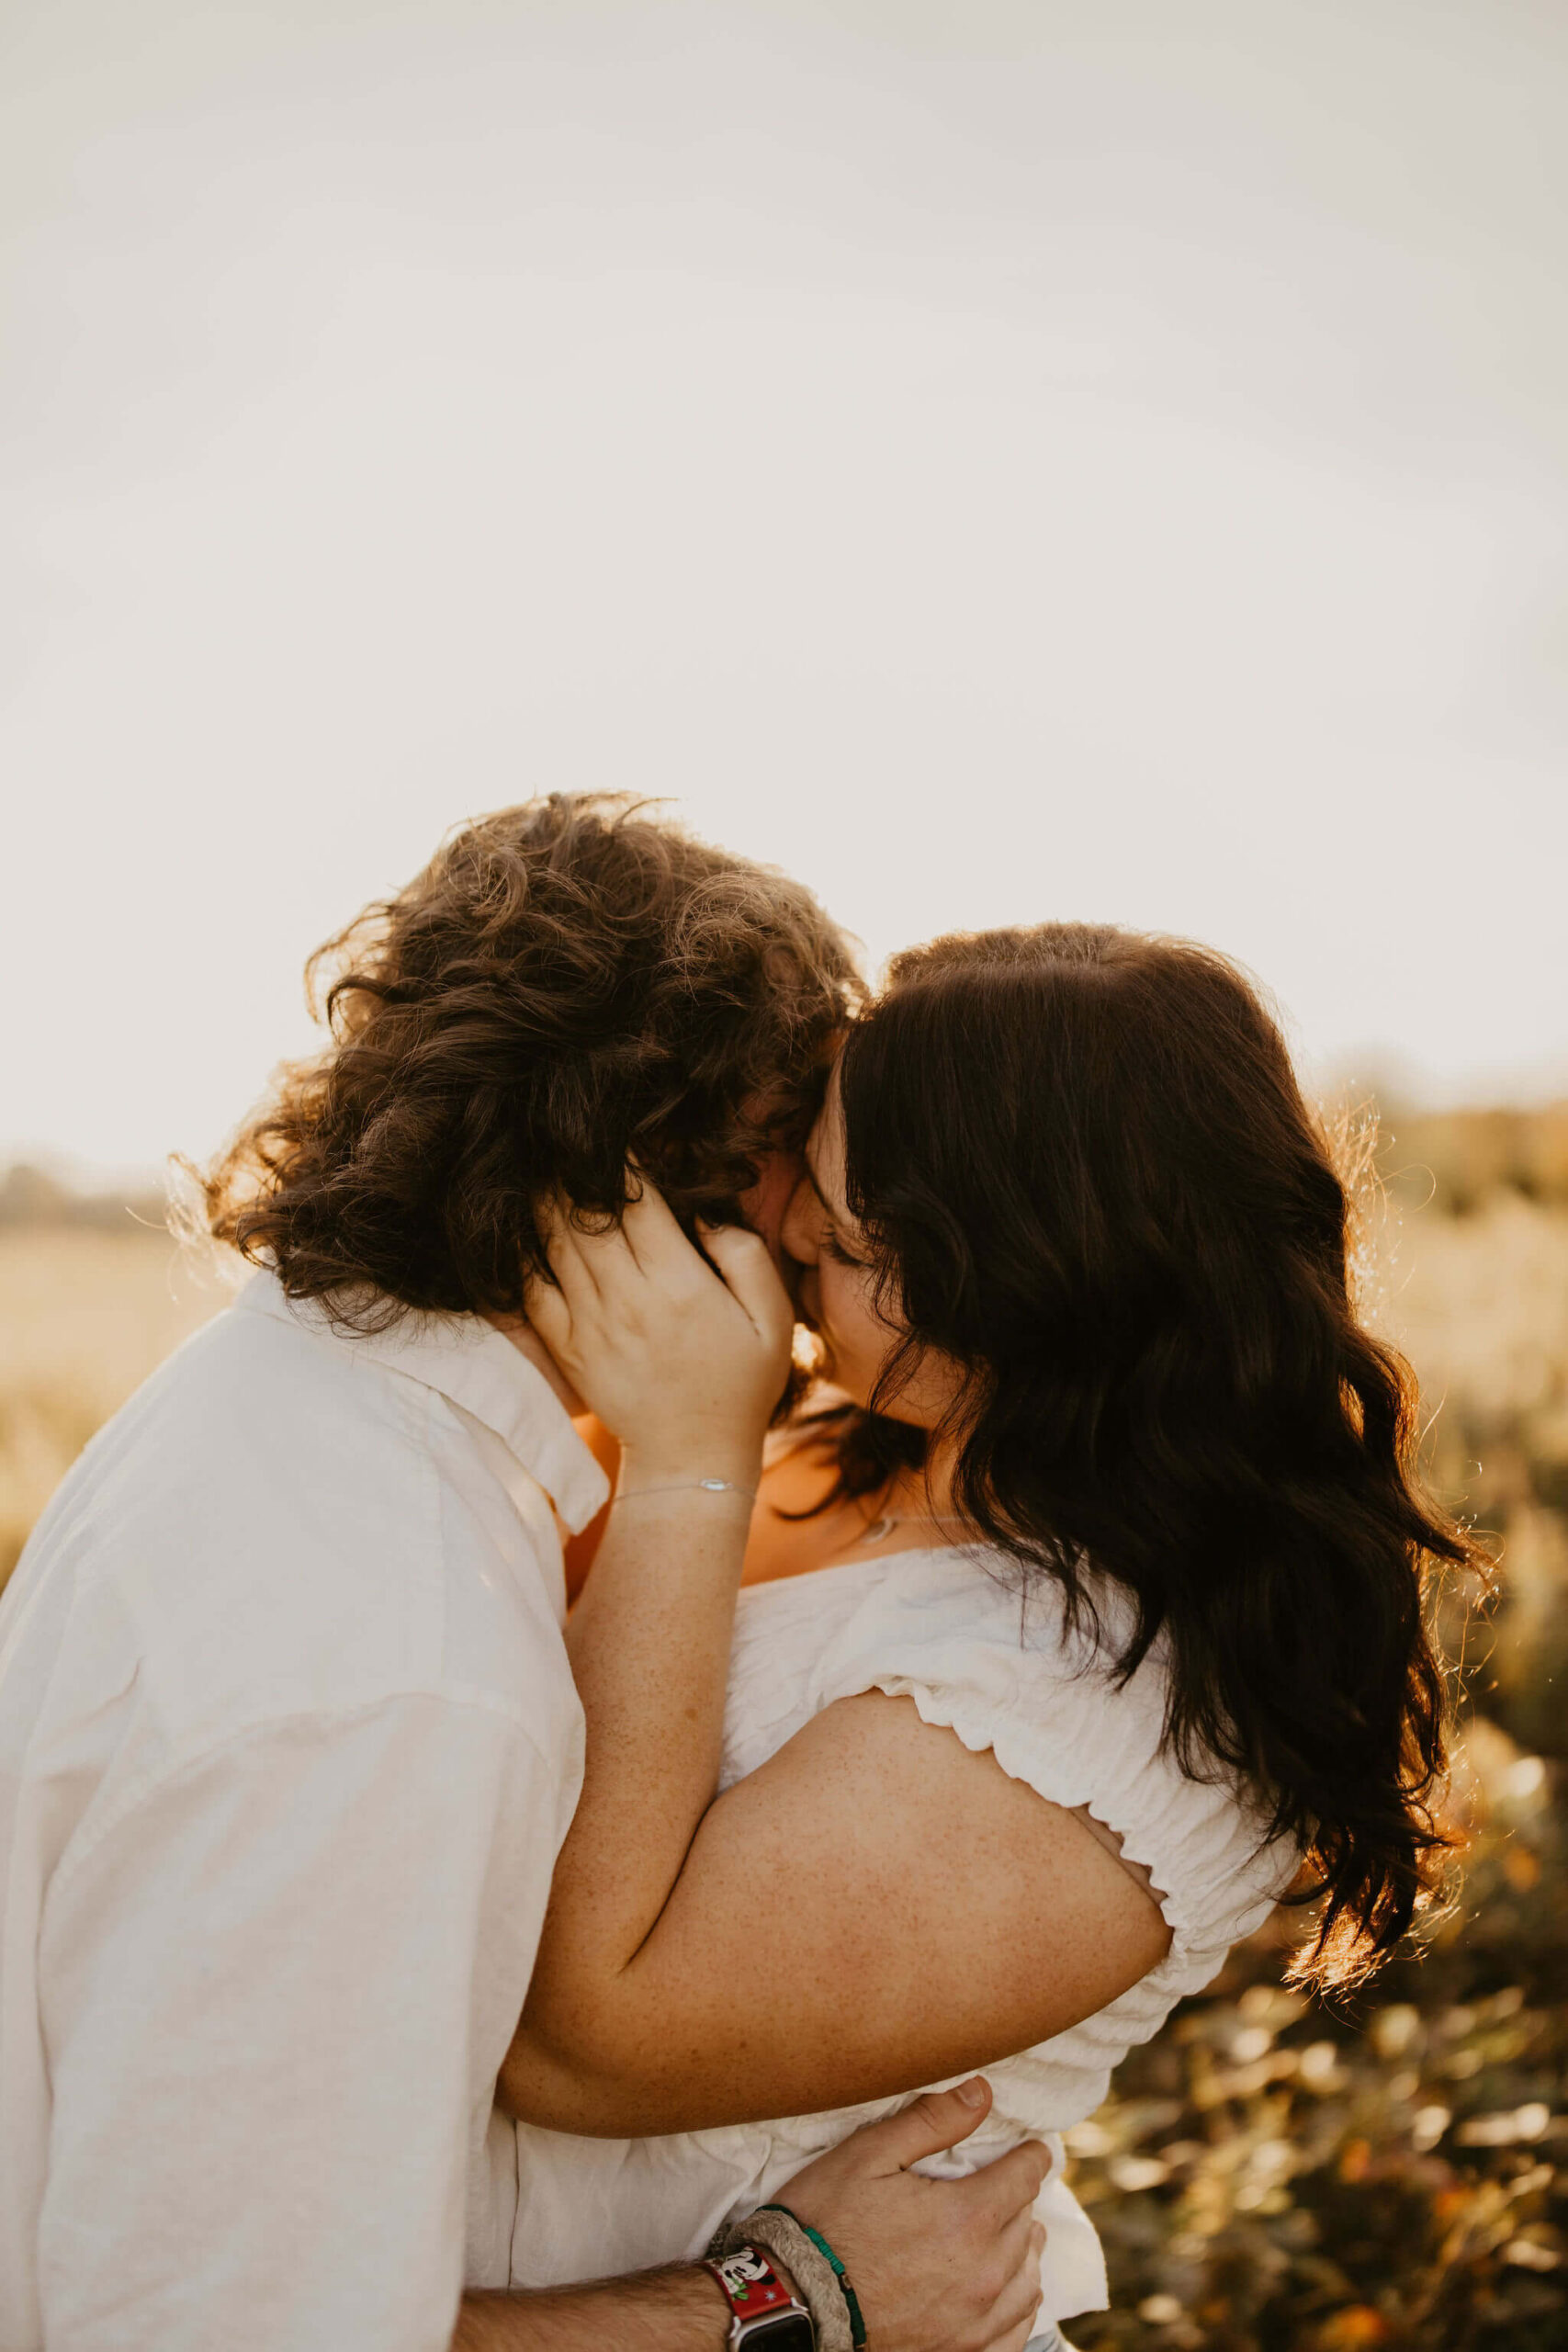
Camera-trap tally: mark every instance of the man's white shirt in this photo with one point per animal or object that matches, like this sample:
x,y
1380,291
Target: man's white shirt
x,y
288,1745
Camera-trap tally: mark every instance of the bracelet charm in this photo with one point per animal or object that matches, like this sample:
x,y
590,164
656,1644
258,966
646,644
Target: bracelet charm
x,y
690,1487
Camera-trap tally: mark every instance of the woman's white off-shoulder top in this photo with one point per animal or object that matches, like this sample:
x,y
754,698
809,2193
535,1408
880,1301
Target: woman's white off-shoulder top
x,y
950,1630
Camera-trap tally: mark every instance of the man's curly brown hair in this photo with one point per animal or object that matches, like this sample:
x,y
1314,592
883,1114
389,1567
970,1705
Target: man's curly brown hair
x,y
568,985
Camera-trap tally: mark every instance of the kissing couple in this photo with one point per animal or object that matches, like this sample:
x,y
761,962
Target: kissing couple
x,y
748,1550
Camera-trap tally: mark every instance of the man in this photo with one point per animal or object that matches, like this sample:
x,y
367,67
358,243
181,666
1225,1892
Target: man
x,y
288,1741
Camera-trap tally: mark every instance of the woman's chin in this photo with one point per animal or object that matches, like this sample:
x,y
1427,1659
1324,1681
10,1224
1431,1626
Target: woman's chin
x,y
818,1381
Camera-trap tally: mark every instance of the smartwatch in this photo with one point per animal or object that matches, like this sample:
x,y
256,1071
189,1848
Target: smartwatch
x,y
763,2315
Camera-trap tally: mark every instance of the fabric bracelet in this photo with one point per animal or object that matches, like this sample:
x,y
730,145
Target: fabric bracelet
x,y
816,2282
851,2301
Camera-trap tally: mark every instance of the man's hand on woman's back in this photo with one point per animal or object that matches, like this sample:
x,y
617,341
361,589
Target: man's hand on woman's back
x,y
939,2266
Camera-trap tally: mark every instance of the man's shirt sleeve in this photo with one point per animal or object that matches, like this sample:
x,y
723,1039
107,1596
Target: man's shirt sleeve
x,y
276,1991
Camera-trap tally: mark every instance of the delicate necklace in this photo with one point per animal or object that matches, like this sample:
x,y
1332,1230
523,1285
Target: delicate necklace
x,y
890,1520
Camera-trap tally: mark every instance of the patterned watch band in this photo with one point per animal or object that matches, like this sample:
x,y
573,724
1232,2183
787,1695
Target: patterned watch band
x,y
750,2286
780,2235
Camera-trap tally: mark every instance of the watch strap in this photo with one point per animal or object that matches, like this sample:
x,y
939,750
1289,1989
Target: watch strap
x,y
752,2290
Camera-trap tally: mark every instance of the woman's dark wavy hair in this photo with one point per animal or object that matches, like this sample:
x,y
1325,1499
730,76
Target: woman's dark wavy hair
x,y
1084,1170
566,986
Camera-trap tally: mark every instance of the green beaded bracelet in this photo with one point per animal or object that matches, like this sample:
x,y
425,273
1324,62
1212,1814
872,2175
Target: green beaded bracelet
x,y
857,2323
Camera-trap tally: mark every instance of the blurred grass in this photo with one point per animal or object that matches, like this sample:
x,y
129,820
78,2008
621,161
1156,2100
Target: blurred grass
x,y
1270,2174
87,1309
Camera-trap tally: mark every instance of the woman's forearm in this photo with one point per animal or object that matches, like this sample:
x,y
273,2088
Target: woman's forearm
x,y
685,1360
649,1644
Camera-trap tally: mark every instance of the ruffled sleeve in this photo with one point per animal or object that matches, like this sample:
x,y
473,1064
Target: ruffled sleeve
x,y
954,1632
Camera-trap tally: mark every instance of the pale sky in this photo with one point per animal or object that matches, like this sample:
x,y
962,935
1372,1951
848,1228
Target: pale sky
x,y
998,460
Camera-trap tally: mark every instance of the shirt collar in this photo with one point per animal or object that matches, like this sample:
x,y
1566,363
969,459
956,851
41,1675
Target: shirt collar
x,y
466,1359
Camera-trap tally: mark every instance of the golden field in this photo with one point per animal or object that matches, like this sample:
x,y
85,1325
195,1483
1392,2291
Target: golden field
x,y
1270,2174
85,1316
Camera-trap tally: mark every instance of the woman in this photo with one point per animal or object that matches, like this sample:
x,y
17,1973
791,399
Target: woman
x,y
1103,1623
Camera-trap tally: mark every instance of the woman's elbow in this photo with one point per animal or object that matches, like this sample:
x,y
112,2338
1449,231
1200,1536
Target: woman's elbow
x,y
533,2088
562,2086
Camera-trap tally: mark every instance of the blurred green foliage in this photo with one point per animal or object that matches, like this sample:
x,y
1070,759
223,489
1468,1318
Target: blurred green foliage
x,y
1276,2174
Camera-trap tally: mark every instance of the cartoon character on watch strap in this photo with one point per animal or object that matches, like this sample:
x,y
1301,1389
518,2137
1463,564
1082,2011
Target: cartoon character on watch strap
x,y
764,2315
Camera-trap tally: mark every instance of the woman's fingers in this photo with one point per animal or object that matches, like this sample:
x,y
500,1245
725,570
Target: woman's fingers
x,y
644,1248
649,1225
555,1306
684,1359
752,1278
545,1307
648,1246
571,1265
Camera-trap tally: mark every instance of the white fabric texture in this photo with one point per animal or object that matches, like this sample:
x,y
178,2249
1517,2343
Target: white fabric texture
x,y
287,1748
948,1629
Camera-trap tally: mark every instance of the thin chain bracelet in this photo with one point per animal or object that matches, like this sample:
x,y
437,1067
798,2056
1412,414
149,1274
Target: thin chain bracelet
x,y
691,1486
